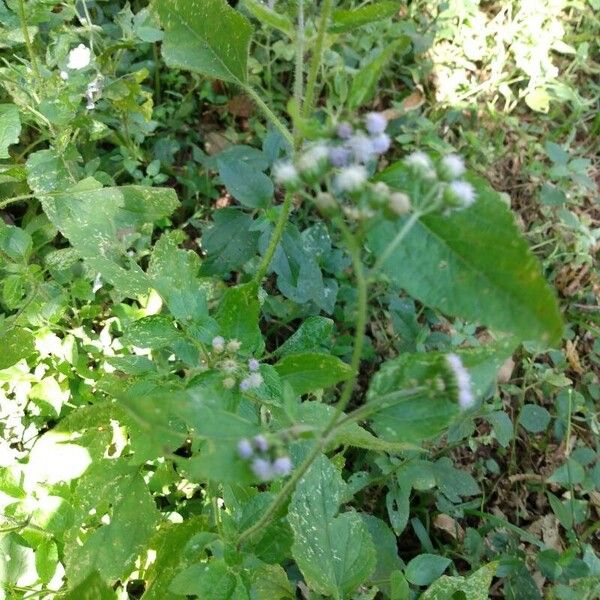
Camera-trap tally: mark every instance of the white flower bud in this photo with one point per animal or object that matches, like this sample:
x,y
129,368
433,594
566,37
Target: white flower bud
x,y
285,173
325,202
313,159
464,192
229,383
453,165
218,343
466,399
234,345
79,58
351,179
419,160
399,203
375,123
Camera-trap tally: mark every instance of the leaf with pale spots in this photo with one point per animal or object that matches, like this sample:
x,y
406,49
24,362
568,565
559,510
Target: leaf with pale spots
x,y
205,36
472,264
334,551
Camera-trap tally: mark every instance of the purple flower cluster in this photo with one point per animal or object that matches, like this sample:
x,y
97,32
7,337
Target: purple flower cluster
x,y
262,464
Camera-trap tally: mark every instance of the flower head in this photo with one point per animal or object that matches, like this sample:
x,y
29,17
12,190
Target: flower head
x,y
351,179
64,75
419,160
466,399
253,365
464,192
234,345
79,58
282,466
454,165
362,148
245,449
261,443
375,123
399,203
314,158
344,130
263,469
339,156
285,173
381,143
228,383
218,343
255,380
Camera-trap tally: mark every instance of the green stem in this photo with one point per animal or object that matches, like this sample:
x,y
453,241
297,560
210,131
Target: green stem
x,y
404,231
270,114
299,68
315,61
28,44
275,239
5,203
321,443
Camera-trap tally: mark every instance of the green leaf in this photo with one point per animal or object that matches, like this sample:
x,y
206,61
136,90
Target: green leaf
x,y
472,264
312,371
270,582
334,551
212,580
10,128
426,568
91,588
346,20
534,418
112,549
314,334
47,172
238,316
205,36
154,331
46,559
174,274
503,427
571,473
17,343
249,186
365,81
267,16
15,242
427,414
474,587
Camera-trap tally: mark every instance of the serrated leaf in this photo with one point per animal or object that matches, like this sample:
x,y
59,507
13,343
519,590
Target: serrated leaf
x,y
334,551
312,371
10,128
346,20
270,582
473,264
205,36
365,81
154,331
238,316
314,334
270,17
17,343
474,587
249,186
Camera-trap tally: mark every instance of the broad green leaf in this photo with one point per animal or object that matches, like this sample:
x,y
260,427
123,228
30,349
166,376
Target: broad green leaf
x,y
472,264
10,128
474,587
16,343
365,81
212,580
426,568
334,551
270,17
154,331
17,560
229,243
534,418
49,171
172,557
503,427
46,559
111,549
205,36
91,588
397,502
571,473
428,413
270,582
314,334
238,316
346,20
312,371
15,242
249,186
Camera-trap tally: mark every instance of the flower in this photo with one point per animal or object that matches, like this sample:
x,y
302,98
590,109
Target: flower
x,y
344,130
375,123
362,148
325,202
263,469
399,203
351,179
466,399
245,449
454,165
255,380
312,160
419,160
253,364
234,345
64,75
260,441
282,466
285,173
228,383
339,156
464,192
218,343
381,143
79,58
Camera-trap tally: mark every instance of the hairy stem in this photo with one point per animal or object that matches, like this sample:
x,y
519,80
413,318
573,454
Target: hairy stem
x,y
299,68
315,61
275,120
275,238
5,203
346,395
28,44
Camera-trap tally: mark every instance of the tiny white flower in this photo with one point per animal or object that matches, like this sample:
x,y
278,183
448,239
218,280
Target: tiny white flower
x,y
351,179
79,58
261,443
399,203
218,343
313,158
325,202
263,469
344,130
375,123
454,165
228,383
381,143
64,75
362,148
90,104
466,399
282,466
285,173
419,160
464,192
245,449
381,189
253,365
255,380
234,345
